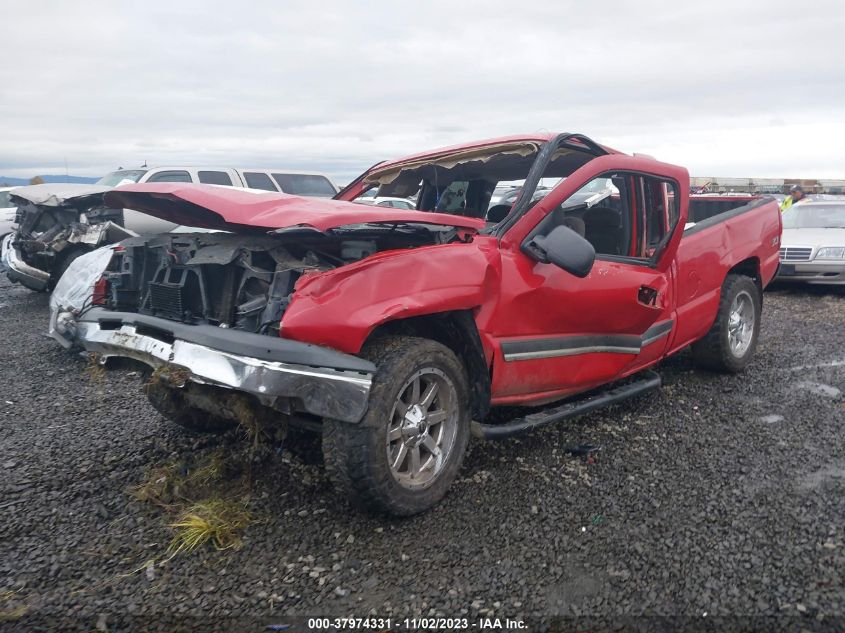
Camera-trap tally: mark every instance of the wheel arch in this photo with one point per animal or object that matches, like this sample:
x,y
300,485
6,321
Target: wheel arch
x,y
456,329
749,267
63,259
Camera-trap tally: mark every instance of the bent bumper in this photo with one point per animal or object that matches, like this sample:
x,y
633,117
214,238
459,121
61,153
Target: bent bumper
x,y
18,270
313,379
814,272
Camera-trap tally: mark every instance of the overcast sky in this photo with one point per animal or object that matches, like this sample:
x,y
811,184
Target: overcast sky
x,y
723,88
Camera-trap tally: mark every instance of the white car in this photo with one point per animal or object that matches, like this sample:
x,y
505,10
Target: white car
x,y
7,212
386,201
813,243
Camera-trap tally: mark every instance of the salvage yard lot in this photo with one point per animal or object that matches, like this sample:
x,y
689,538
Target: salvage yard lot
x,y
717,494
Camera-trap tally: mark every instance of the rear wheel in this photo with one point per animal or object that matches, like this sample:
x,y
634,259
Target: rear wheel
x,y
406,451
730,343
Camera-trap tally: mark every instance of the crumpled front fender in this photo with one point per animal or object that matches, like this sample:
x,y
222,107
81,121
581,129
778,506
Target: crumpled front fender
x,y
340,308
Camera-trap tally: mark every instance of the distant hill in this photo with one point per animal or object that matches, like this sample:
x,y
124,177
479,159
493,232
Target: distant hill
x,y
16,182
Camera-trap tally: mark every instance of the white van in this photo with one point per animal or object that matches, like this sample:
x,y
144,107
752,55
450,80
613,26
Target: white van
x,y
297,183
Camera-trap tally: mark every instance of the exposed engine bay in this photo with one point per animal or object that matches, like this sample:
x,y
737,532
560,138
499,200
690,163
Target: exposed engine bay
x,y
243,282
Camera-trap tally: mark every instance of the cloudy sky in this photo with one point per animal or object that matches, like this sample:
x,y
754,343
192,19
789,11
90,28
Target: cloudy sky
x,y
724,88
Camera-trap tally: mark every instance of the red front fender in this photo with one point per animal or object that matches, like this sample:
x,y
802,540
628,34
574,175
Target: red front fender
x,y
340,308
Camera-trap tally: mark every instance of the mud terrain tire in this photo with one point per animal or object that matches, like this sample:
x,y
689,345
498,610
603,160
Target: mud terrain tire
x,y
401,458
170,403
730,343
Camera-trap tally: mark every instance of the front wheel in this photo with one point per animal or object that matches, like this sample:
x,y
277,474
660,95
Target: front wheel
x,y
406,451
170,403
730,343
65,260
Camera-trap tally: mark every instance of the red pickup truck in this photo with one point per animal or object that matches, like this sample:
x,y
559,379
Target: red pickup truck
x,y
394,332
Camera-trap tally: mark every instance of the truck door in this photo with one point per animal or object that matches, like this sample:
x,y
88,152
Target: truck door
x,y
557,333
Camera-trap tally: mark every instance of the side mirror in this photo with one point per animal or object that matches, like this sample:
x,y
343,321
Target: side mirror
x,y
564,248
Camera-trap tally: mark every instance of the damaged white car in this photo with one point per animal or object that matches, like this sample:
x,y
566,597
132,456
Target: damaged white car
x,y
56,223
7,212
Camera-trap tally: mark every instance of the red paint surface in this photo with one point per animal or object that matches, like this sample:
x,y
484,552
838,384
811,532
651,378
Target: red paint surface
x,y
228,209
512,297
515,298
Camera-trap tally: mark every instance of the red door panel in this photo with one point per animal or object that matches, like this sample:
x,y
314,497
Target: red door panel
x,y
558,333
555,334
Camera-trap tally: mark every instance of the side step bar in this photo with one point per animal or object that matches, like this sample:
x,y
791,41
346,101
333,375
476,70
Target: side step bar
x,y
648,381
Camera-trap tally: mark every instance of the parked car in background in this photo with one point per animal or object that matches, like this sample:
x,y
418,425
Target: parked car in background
x,y
56,223
393,203
393,333
7,211
813,243
285,180
60,222
506,196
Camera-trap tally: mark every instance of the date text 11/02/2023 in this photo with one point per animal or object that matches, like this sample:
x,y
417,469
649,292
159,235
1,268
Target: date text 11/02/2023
x,y
411,624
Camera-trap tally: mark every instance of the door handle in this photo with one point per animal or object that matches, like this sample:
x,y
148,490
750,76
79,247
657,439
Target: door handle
x,y
649,297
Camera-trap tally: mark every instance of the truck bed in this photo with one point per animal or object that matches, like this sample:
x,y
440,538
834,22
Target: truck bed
x,y
747,235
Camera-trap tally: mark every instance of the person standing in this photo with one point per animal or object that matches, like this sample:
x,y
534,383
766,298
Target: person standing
x,y
796,193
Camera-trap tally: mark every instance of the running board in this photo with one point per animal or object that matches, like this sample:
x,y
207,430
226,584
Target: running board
x,y
649,381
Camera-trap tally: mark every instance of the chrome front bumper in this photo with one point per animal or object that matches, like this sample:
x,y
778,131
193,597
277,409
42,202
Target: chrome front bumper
x,y
19,271
812,272
336,386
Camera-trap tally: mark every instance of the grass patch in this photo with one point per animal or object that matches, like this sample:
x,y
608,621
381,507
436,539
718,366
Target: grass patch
x,y
215,521
173,484
168,374
13,613
206,496
9,612
207,493
96,369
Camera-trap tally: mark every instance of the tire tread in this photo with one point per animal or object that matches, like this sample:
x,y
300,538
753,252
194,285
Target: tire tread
x,y
712,352
348,448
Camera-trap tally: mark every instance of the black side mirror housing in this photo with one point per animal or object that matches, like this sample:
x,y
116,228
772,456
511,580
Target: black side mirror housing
x,y
564,248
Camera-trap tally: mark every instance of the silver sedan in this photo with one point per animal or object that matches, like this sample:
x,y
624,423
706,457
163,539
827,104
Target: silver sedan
x,y
813,243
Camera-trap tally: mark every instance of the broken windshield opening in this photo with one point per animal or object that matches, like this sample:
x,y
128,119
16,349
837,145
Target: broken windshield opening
x,y
480,182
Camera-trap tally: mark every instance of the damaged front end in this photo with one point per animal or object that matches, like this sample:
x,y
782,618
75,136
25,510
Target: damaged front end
x,y
206,310
222,372
57,223
281,375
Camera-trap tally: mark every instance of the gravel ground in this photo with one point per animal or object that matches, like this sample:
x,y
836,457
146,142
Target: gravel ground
x,y
719,494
